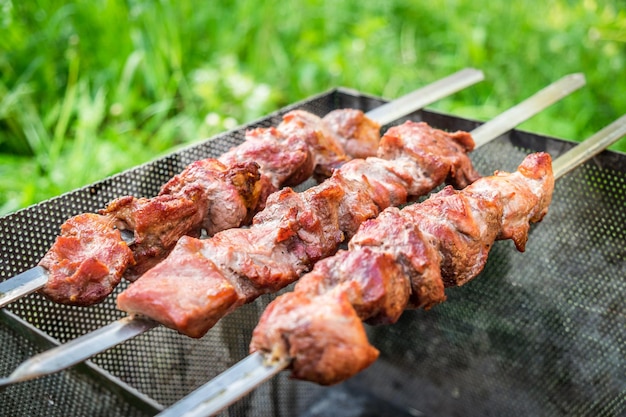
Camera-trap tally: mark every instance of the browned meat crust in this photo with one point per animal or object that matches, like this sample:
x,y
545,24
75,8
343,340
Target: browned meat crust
x,y
402,259
86,278
295,230
357,134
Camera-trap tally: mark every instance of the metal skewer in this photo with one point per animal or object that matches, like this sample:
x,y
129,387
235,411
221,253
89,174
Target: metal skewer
x,y
35,278
591,147
502,123
418,99
86,346
249,373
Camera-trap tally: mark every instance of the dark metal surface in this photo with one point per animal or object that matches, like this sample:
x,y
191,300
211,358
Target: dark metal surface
x,y
538,333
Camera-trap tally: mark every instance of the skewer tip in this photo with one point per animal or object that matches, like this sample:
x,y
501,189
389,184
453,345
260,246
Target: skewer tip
x,y
578,76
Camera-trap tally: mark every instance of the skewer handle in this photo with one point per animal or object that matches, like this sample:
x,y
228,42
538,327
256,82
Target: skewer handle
x,y
424,96
589,148
521,112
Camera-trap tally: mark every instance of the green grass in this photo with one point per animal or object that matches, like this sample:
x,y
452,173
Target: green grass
x,y
89,88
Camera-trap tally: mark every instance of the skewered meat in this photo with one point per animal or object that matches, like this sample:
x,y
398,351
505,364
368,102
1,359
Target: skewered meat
x,y
201,281
209,195
402,259
86,246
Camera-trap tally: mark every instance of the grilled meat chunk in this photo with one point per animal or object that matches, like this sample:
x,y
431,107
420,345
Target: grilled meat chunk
x,y
81,273
326,148
198,299
295,230
357,134
285,160
402,259
320,334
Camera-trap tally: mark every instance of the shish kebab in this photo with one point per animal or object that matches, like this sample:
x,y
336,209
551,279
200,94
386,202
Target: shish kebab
x,y
419,159
403,259
130,235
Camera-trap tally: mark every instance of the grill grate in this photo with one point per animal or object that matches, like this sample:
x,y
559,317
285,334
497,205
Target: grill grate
x,y
539,333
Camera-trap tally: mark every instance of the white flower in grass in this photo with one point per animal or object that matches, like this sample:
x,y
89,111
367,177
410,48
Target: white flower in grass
x,y
259,97
230,123
239,85
212,119
116,109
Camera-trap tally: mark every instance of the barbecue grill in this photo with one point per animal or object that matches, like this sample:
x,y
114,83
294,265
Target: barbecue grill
x,y
538,333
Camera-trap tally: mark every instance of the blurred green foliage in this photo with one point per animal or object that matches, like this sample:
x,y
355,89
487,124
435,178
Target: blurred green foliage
x,y
89,88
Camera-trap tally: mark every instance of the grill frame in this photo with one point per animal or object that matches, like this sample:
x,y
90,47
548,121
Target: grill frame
x,y
32,324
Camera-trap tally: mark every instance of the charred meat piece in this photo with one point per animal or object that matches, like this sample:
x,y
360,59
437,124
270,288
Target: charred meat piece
x,y
208,196
80,272
295,230
402,259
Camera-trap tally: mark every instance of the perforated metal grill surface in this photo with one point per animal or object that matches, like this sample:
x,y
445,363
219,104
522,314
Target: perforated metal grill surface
x,y
538,333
